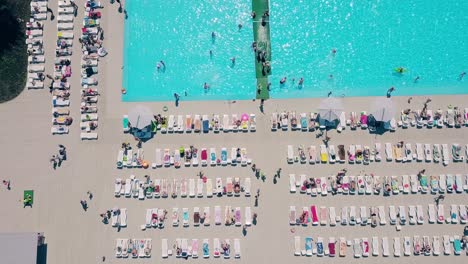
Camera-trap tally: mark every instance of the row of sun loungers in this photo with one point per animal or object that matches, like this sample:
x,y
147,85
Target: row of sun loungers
x,y
376,215
230,216
135,248
452,117
302,122
184,157
60,86
163,188
364,154
34,40
89,69
184,248
375,184
205,124
364,247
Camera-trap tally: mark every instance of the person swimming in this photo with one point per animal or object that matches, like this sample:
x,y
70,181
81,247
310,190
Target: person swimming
x,y
283,80
462,75
400,70
253,14
213,35
206,86
416,79
239,26
233,60
333,51
301,81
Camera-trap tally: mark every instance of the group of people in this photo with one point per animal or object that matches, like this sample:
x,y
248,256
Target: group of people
x,y
57,159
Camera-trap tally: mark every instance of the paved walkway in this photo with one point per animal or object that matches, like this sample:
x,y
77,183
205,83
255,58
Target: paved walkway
x,y
261,28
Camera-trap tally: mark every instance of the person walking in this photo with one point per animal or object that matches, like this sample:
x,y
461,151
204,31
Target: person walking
x,y
54,162
84,204
438,199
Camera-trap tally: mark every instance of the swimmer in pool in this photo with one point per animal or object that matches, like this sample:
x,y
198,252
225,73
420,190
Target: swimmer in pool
x,y
213,35
233,60
283,80
253,14
400,70
206,86
333,51
416,79
239,26
158,66
462,75
301,81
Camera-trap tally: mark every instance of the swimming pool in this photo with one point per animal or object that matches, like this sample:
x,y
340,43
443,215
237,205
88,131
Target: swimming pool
x,y
371,38
179,33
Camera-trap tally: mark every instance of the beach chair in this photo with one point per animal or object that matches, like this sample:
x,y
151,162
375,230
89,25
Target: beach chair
x,y
209,188
382,217
352,185
185,217
191,188
352,215
244,159
375,246
199,188
446,244
431,213
314,215
206,248
205,124
304,122
450,183
361,184
363,215
319,245
290,157
149,214
238,216
407,246
385,250
344,215
157,188
248,216
297,246
458,186
357,250
292,215
359,154
206,213
436,246
389,151
454,214
284,121
308,246
408,157
217,212
406,184
237,248
343,246
412,215
312,155
417,245
247,187
450,118
419,152
118,247
463,214
392,214
427,152
445,154
323,215
402,213
128,188
332,215
456,245
274,121
396,247
332,154
164,248
234,123
377,152
229,186
457,153
323,185
442,183
196,216
219,187
213,159
204,157
377,184
440,214
216,248
252,123
365,247
117,187
197,124
420,214
123,217
352,154
226,125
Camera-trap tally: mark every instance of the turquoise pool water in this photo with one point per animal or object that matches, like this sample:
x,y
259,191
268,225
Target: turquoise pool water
x,y
371,38
179,33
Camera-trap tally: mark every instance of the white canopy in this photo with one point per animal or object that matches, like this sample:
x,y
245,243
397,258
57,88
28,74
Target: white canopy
x,y
140,117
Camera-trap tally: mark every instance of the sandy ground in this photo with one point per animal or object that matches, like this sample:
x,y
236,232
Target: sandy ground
x,y
75,236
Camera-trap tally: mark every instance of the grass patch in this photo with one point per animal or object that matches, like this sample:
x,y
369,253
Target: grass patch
x,y
13,56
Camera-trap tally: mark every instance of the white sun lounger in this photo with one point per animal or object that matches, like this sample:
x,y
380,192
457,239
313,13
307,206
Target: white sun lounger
x,y
149,214
420,214
378,151
382,216
442,183
332,215
170,124
199,188
59,130
407,246
428,152
344,215
357,248
237,248
396,247
290,156
117,187
463,214
247,186
431,213
392,214
175,216
419,152
406,184
209,188
447,246
458,183
385,250
206,212
454,214
352,215
445,154
164,248
206,243
248,216
440,214
389,151
123,217
297,246
128,188
436,246
292,183
412,214
226,125
292,215
216,248
414,183
185,217
191,188
88,136
194,249
375,246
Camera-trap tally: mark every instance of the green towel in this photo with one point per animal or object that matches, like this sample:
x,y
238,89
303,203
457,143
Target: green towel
x,y
28,197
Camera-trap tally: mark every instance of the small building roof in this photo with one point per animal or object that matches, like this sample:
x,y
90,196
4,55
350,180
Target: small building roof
x,y
18,248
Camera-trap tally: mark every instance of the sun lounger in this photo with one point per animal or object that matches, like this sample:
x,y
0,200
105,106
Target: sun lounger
x,y
442,183
191,188
440,214
206,213
319,245
457,153
365,247
407,246
402,214
447,247
357,250
290,157
284,121
308,246
431,213
216,248
117,187
352,215
392,215
292,183
457,248
197,124
419,152
123,217
427,152
361,184
382,216
118,248
385,250
359,154
206,248
389,151
398,152
454,214
436,246
450,183
292,215
312,155
234,124
344,215
352,154
445,154
297,245
458,186
59,130
332,215
463,214
332,154
412,215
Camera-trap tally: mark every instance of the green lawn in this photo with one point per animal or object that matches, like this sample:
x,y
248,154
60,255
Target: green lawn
x,y
13,55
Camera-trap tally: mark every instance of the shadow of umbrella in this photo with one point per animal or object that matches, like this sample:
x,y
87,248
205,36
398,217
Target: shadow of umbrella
x,y
383,111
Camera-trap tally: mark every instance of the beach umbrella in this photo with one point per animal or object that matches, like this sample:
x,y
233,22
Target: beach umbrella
x,y
140,117
383,109
330,109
